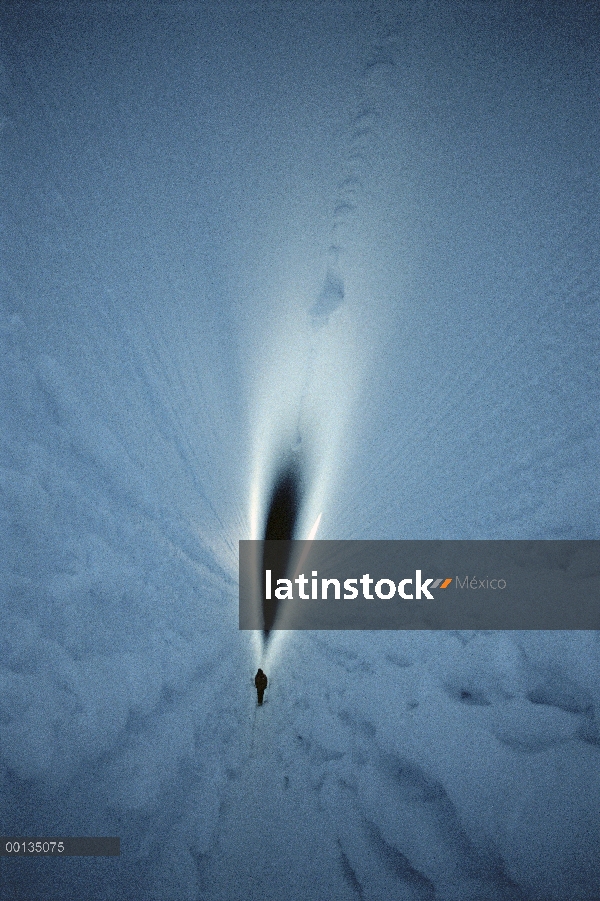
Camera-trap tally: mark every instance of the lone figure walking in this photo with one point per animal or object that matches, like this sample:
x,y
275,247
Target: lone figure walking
x,y
260,681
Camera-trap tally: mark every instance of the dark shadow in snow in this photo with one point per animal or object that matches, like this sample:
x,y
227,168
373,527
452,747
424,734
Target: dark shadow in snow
x,y
467,694
362,729
415,786
350,875
398,864
280,525
407,785
397,660
284,505
589,732
348,660
330,298
342,209
528,744
560,692
557,690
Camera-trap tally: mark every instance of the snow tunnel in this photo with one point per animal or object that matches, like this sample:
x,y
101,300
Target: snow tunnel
x,y
263,262
280,525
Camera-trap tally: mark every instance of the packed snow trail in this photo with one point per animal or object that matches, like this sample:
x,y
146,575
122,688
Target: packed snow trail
x,y
272,841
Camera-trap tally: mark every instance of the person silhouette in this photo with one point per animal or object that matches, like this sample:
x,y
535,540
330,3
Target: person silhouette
x,y
260,681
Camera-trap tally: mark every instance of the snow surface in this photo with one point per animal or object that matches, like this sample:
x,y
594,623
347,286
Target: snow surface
x,y
365,232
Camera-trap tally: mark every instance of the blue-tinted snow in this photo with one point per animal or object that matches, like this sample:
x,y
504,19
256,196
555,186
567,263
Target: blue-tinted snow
x,y
365,232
